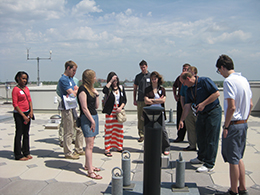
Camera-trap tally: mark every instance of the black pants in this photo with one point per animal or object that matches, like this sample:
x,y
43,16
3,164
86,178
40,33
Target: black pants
x,y
181,133
21,133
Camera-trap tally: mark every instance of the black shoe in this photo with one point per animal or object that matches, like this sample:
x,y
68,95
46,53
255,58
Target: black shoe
x,y
189,149
242,192
178,140
141,139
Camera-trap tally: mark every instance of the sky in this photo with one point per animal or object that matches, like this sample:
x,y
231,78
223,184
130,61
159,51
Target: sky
x,y
115,35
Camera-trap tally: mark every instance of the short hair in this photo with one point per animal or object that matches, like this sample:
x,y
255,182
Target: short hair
x,y
185,75
143,62
186,64
70,64
160,78
109,77
19,75
225,61
193,69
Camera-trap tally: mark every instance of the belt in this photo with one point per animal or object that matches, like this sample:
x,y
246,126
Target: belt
x,y
237,122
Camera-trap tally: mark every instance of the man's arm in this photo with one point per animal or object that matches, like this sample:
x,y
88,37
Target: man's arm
x,y
182,101
174,89
210,99
185,112
229,113
135,92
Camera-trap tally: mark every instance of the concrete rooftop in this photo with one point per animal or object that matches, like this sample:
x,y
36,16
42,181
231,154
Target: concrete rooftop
x,y
50,173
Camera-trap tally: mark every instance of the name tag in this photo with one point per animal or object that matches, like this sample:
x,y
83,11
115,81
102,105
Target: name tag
x,y
70,84
148,80
21,92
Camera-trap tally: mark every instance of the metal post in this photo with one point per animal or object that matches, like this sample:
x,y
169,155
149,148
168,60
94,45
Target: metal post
x,y
38,64
180,172
38,72
153,119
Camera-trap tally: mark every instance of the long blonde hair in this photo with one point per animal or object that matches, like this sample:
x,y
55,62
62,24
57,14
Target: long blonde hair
x,y
88,80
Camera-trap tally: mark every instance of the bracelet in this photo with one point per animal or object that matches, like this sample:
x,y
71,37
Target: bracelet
x,y
97,95
224,127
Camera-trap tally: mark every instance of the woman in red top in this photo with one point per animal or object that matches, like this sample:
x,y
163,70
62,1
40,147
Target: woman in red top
x,y
23,113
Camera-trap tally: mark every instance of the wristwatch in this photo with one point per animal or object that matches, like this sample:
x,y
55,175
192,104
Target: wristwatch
x,y
224,127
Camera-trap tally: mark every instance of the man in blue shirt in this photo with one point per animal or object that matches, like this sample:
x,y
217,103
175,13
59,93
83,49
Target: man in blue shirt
x,y
68,87
202,94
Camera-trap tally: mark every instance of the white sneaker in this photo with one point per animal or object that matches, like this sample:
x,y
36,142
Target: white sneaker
x,y
196,161
204,169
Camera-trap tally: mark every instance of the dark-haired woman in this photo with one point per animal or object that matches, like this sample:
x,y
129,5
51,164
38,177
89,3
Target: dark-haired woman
x,y
155,96
116,100
23,113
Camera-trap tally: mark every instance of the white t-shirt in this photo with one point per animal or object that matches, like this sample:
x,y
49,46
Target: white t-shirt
x,y
156,96
236,87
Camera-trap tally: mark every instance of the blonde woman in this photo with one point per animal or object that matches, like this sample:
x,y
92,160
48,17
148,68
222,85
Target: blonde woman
x,y
88,99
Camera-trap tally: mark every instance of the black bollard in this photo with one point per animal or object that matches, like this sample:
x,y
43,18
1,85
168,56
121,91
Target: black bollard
x,y
153,118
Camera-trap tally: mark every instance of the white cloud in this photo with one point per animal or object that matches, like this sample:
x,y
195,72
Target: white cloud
x,y
33,9
149,14
236,36
85,7
128,12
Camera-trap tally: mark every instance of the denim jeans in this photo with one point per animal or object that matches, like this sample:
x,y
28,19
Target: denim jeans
x,y
208,129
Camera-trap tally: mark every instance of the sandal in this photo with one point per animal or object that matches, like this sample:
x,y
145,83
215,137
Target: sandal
x,y
94,169
108,154
96,176
23,159
166,153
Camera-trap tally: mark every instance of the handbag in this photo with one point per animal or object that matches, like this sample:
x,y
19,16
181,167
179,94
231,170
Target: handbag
x,y
121,116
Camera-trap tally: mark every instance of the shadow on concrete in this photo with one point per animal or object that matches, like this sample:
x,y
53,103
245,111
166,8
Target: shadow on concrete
x,y
188,165
49,141
65,165
47,153
131,137
7,154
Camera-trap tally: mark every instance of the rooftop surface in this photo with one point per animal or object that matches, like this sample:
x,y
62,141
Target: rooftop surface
x,y
50,173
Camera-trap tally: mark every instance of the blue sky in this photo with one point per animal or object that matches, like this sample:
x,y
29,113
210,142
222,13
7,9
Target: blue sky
x,y
115,35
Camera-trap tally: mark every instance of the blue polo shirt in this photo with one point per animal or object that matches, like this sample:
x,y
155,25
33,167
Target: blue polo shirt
x,y
183,90
205,88
64,84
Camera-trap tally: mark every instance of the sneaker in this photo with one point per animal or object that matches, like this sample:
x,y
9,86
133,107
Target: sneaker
x,y
189,149
196,161
242,192
73,157
79,153
178,140
204,169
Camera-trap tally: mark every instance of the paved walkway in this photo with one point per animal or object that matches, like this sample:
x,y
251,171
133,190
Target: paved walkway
x,y
50,173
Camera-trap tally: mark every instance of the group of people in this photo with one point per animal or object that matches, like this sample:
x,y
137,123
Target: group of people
x,y
198,111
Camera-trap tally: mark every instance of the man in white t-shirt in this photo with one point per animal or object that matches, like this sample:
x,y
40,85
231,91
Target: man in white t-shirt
x,y
237,108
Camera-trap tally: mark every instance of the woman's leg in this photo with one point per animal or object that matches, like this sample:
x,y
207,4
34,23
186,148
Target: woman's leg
x,y
88,153
26,144
18,136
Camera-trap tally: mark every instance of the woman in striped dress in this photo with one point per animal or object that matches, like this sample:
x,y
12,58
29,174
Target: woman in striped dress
x,y
114,103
